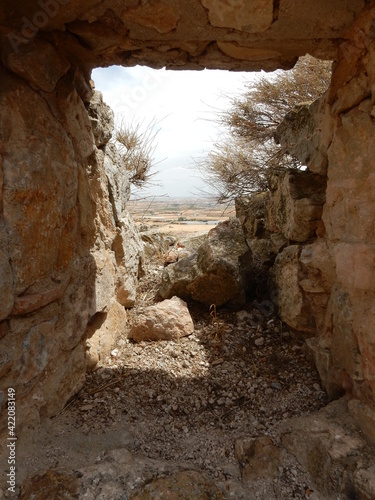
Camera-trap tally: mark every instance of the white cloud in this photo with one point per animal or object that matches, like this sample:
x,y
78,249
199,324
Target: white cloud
x,y
183,103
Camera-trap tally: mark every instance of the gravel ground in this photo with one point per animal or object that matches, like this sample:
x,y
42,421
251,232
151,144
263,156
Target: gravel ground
x,y
240,374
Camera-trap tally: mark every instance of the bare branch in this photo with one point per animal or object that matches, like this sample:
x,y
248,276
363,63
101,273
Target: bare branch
x,y
239,162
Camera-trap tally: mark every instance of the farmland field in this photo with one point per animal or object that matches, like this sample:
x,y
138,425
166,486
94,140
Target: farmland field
x,y
180,215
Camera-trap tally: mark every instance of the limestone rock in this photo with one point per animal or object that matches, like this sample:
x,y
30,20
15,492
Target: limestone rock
x,y
37,349
118,181
364,416
159,16
128,249
306,133
186,484
251,212
217,273
295,133
7,287
258,458
239,15
54,483
25,63
156,244
167,320
296,204
101,118
327,450
290,300
102,333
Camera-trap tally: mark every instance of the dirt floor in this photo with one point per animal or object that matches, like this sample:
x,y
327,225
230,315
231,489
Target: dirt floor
x,y
173,405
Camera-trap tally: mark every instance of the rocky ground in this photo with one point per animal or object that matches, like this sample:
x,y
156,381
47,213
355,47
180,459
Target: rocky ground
x,y
186,409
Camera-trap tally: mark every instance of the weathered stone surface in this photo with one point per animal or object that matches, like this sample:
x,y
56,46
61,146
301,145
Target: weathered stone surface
x,y
258,35
25,63
186,484
54,483
296,204
330,451
7,287
159,16
323,362
290,300
156,244
118,182
37,350
251,212
129,259
348,212
39,203
167,320
295,133
26,304
101,118
258,458
364,416
217,273
102,333
239,15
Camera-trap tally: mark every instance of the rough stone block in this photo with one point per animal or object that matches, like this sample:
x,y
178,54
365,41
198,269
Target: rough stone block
x,y
240,15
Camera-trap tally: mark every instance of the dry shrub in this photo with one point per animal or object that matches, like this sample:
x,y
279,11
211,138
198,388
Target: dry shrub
x,y
136,145
239,161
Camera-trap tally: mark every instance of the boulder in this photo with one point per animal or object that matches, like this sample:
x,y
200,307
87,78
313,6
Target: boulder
x,y
217,273
168,320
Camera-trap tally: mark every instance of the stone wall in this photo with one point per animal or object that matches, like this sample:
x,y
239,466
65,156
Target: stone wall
x,y
334,276
69,255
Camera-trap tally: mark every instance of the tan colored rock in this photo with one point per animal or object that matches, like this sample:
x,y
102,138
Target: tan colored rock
x,y
364,416
238,14
324,444
259,458
129,260
101,118
167,320
102,332
107,33
7,287
349,208
37,349
26,304
157,15
247,53
186,484
290,300
355,266
296,203
54,483
217,273
25,63
42,240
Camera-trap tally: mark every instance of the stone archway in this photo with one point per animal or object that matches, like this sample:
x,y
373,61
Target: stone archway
x,y
53,207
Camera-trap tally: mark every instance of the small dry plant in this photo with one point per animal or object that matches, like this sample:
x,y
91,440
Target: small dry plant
x,y
219,327
136,144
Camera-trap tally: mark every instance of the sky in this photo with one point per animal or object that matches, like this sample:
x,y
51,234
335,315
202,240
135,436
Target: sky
x,y
183,105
